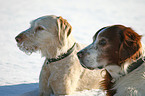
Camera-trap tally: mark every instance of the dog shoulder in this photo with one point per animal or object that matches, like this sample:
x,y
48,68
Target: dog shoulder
x,y
133,84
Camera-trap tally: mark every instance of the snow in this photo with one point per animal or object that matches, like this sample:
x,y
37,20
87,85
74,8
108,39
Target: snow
x,y
19,73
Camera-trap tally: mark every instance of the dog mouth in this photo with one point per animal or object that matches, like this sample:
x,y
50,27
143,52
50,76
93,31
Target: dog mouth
x,y
83,65
27,49
90,68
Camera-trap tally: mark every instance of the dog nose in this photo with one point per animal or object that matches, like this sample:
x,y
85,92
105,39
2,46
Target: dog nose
x,y
18,38
80,54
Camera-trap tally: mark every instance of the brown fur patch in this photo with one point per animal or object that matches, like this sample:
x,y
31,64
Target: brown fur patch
x,y
130,45
106,84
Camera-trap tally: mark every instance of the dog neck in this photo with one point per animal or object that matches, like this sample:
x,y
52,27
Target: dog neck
x,y
115,72
60,57
55,49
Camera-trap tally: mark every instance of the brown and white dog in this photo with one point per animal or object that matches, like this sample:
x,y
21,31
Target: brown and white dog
x,y
117,49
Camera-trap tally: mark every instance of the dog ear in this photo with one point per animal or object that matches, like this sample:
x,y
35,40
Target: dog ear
x,y
64,29
130,44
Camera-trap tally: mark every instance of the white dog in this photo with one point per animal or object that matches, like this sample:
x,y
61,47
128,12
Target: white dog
x,y
119,50
61,73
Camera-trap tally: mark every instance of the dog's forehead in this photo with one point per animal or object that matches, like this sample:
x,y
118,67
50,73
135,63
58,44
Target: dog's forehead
x,y
96,34
44,20
109,33
102,32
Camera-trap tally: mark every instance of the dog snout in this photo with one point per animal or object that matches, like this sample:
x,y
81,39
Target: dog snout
x,y
19,38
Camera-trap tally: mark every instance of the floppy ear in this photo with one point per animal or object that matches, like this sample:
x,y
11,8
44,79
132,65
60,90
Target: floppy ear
x,y
64,29
130,44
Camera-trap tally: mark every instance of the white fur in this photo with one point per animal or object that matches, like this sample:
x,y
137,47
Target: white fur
x,y
115,71
133,84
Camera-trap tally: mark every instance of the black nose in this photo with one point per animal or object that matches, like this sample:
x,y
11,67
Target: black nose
x,y
80,54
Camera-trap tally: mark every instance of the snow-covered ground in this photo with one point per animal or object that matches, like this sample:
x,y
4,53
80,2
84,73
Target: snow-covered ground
x,y
19,72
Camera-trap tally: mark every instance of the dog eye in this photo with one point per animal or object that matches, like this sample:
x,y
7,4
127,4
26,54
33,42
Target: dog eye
x,y
102,42
39,28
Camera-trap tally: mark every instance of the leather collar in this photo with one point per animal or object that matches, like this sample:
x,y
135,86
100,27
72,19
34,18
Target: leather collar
x,y
60,57
135,65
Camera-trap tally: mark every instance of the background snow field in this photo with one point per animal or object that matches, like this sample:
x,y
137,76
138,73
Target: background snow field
x,y
19,73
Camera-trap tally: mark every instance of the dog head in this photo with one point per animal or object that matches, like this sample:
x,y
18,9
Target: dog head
x,y
112,45
47,32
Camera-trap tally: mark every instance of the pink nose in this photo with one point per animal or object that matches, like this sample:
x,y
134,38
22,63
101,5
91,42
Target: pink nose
x,y
18,38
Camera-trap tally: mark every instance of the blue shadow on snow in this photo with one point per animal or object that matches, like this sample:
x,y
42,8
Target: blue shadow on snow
x,y
16,90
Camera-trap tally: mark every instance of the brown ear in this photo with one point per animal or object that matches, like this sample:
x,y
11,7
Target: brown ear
x,y
64,29
130,44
